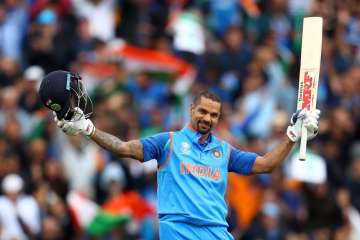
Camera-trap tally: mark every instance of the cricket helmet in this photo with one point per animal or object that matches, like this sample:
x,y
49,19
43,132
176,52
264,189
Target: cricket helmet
x,y
62,91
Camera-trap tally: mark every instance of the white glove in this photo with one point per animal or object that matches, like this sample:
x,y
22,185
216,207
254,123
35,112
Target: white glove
x,y
310,121
77,124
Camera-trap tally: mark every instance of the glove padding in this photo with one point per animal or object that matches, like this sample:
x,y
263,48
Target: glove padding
x,y
77,124
306,118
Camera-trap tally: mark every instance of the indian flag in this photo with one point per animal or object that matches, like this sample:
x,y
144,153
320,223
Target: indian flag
x,y
99,221
142,59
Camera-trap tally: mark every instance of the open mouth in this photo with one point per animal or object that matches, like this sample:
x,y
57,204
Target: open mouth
x,y
204,125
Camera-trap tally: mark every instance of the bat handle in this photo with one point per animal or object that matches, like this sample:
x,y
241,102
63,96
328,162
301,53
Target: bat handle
x,y
303,141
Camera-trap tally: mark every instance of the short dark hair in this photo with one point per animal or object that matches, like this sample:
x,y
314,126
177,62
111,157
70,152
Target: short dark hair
x,y
206,94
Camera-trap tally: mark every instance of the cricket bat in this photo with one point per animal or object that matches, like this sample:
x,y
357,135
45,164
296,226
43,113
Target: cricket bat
x,y
309,71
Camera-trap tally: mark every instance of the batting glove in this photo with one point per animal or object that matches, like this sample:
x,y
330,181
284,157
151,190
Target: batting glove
x,y
310,121
77,124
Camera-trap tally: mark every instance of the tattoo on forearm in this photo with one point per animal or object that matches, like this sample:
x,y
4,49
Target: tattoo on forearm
x,y
107,141
136,149
133,149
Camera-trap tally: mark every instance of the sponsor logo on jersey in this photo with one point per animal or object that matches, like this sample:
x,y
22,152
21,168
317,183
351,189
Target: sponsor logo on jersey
x,y
185,148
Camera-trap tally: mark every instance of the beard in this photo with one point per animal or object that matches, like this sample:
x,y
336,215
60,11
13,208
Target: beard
x,y
203,127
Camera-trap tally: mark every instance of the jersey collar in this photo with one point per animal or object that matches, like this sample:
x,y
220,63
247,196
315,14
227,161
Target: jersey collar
x,y
195,136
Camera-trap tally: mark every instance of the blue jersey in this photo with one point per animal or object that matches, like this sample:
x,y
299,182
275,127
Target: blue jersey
x,y
192,176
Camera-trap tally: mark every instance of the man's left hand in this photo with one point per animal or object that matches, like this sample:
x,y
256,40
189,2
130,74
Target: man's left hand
x,y
306,118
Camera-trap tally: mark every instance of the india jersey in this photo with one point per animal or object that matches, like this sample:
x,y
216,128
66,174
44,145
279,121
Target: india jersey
x,y
192,176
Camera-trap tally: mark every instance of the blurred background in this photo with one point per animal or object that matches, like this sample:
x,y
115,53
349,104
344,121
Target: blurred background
x,y
141,62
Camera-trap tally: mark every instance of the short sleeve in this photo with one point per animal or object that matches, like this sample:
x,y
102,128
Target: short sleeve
x,y
153,146
241,162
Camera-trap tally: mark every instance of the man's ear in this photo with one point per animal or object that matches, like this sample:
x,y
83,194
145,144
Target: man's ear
x,y
191,108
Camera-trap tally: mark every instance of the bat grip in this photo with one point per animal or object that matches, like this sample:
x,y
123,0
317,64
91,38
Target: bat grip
x,y
303,141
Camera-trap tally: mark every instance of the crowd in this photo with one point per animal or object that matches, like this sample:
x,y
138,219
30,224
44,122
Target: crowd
x,y
248,52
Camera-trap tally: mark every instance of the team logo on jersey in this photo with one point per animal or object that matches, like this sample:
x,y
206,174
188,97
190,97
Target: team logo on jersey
x,y
185,148
216,153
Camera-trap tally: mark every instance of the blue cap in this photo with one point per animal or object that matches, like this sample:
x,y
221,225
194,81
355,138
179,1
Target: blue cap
x,y
55,92
46,16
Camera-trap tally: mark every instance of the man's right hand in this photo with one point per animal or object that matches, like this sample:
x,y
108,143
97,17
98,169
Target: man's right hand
x,y
77,124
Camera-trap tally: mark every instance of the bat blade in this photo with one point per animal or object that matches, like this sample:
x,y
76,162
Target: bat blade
x,y
309,70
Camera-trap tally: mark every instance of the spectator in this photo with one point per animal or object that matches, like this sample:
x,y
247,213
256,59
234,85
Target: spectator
x,y
100,14
268,225
75,155
19,214
8,71
354,175
51,229
13,20
237,54
323,211
351,215
112,180
29,99
148,95
10,113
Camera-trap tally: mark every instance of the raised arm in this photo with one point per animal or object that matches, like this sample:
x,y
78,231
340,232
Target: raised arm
x,y
131,149
272,159
79,124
